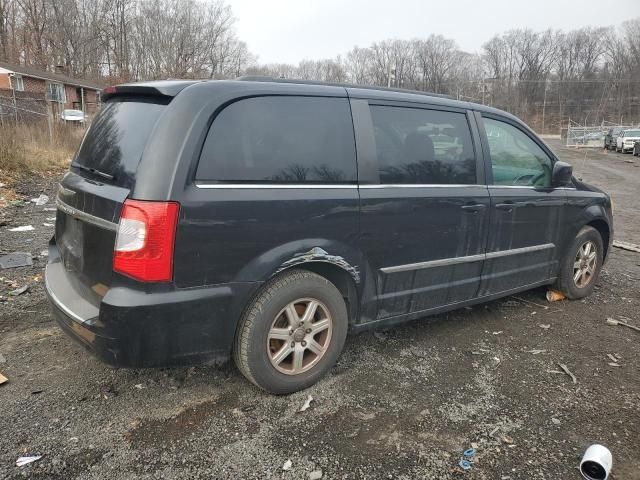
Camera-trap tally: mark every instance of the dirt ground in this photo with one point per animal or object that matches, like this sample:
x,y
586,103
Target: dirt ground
x,y
400,404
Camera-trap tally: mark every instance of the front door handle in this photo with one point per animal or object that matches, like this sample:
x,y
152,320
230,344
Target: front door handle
x,y
474,208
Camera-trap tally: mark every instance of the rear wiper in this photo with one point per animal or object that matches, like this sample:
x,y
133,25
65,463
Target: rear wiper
x,y
93,171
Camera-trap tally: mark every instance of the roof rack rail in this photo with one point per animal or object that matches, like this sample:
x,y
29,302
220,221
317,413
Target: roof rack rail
x,y
266,78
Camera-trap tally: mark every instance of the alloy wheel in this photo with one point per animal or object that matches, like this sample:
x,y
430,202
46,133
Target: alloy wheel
x,y
584,265
299,336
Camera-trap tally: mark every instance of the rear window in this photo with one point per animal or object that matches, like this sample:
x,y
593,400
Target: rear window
x,y
280,140
116,139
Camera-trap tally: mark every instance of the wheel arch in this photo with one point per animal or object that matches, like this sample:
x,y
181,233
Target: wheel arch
x,y
342,279
603,229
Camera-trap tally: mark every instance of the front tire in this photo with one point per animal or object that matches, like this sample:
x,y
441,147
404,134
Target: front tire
x,y
292,332
581,267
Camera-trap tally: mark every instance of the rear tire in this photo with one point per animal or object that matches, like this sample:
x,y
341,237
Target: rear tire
x,y
284,343
581,267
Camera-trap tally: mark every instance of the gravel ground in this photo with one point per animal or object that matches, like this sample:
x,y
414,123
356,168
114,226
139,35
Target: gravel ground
x,y
402,403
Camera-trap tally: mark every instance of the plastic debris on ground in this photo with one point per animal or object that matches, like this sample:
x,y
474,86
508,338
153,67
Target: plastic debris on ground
x,y
24,228
465,462
615,360
287,465
596,462
555,296
3,379
315,475
566,370
306,404
21,461
545,326
19,291
632,247
15,259
613,321
41,200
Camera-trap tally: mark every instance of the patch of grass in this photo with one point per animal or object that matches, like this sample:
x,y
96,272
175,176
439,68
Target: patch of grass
x,y
30,148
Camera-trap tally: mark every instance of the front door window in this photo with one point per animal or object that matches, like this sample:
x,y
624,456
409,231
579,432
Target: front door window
x,y
515,158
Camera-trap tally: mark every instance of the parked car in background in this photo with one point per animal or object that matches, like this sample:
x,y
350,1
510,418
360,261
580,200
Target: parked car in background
x,y
626,140
73,116
636,148
610,138
203,220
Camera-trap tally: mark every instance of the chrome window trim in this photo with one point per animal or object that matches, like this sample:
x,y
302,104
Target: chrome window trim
x,y
423,185
84,216
206,185
531,187
305,186
466,259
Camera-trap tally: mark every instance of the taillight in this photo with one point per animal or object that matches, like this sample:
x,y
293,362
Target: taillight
x,y
144,244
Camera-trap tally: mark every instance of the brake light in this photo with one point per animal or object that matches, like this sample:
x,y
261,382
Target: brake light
x,y
144,244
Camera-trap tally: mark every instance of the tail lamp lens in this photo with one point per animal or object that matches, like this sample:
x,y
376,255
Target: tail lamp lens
x,y
145,240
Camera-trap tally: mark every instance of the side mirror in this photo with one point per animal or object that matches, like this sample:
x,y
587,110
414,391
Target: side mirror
x,y
562,174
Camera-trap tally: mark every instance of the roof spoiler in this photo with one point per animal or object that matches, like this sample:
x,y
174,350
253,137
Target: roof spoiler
x,y
162,88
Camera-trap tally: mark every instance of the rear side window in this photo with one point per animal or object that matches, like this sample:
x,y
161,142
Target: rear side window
x,y
280,140
116,139
420,146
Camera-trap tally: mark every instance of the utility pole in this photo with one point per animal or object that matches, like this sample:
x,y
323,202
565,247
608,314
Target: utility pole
x,y
84,115
544,104
15,105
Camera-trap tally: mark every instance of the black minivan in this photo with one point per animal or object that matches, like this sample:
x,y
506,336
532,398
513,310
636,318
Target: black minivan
x,y
266,218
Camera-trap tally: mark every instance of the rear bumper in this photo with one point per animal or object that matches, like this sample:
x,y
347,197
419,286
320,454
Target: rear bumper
x,y
139,328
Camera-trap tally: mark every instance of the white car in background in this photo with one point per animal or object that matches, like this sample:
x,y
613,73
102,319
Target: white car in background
x,y
74,116
626,139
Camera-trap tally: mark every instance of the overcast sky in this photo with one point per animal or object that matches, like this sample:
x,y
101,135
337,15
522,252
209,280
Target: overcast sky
x,y
292,30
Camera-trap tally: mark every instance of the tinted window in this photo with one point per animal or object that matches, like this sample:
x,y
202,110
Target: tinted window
x,y
281,140
515,158
117,137
423,146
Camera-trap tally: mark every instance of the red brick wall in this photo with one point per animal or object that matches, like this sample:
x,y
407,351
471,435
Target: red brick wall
x,y
71,96
34,85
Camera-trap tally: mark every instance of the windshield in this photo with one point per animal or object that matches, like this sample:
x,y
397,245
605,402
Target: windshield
x,y
115,141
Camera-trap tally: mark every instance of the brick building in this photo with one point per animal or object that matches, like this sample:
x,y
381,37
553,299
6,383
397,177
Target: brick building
x,y
60,91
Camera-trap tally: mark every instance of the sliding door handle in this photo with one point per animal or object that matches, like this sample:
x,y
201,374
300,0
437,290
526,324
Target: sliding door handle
x,y
507,207
474,208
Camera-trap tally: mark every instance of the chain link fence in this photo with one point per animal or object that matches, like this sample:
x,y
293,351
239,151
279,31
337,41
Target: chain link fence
x,y
590,136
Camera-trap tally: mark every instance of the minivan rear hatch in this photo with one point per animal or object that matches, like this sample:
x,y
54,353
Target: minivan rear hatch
x,y
101,177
